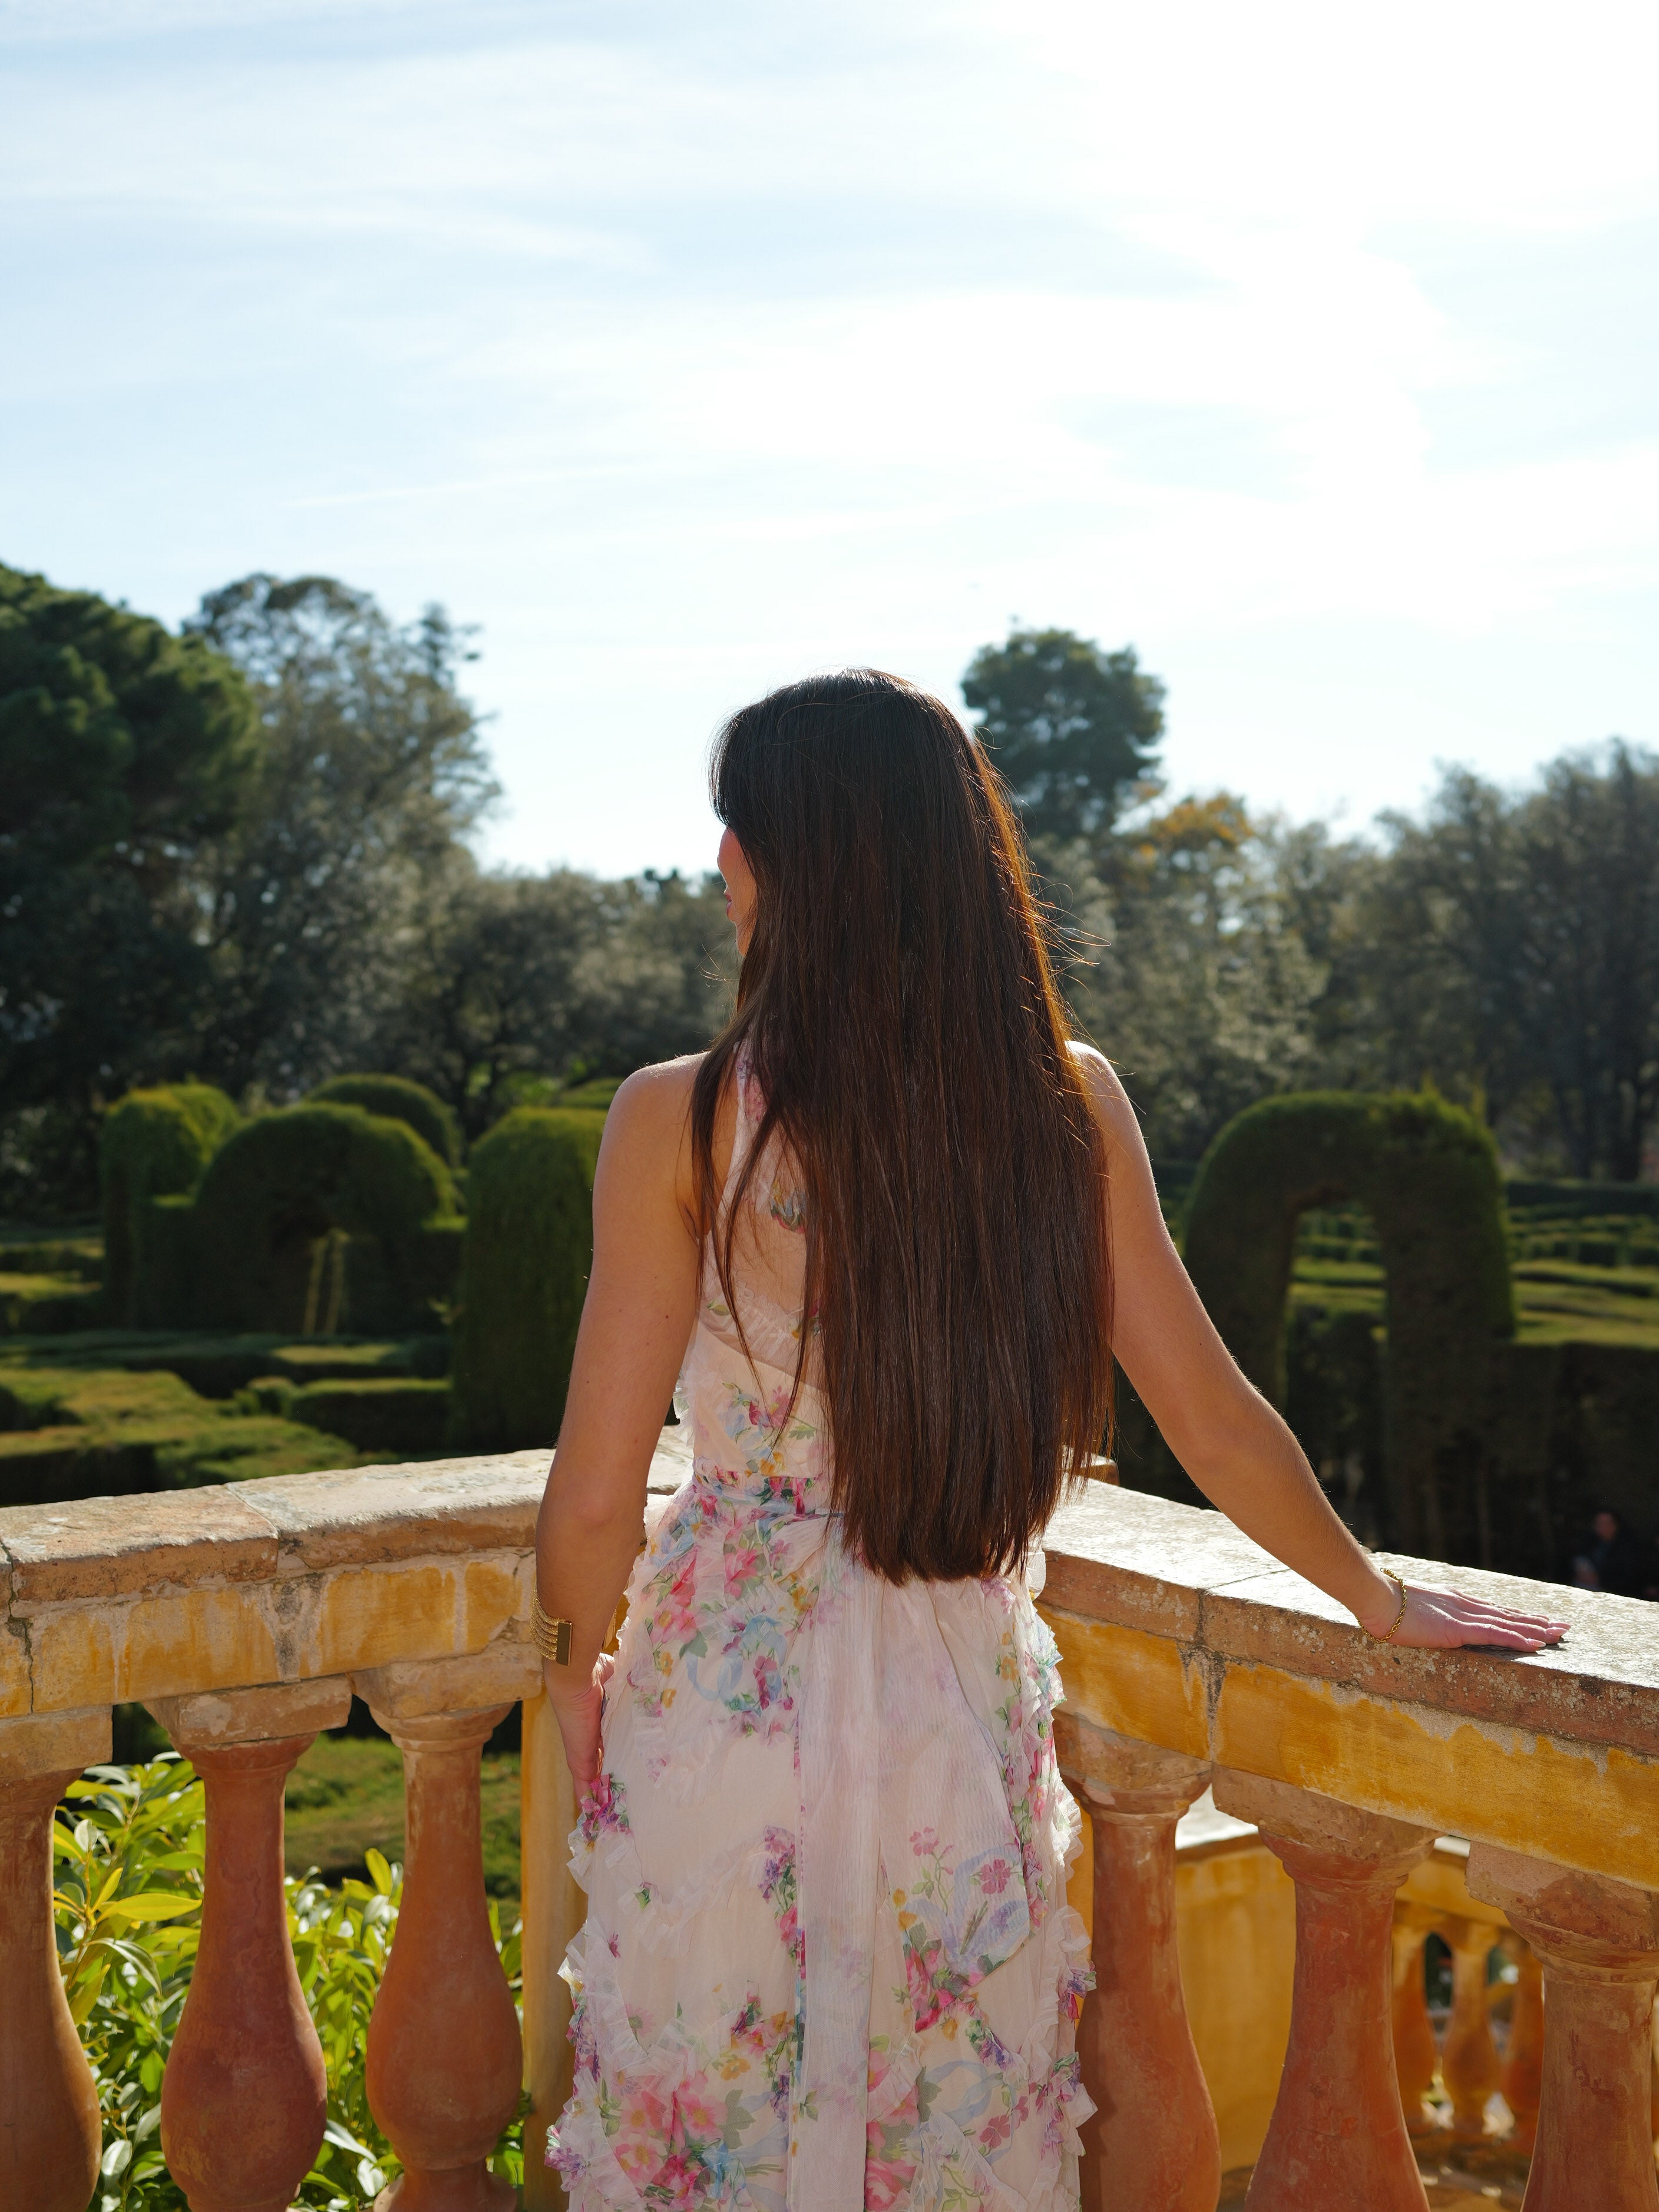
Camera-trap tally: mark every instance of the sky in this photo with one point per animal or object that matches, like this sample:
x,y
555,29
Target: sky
x,y
1313,350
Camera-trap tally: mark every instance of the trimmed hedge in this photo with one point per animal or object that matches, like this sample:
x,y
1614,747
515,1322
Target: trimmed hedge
x,y
396,1098
380,1197
1428,1173
153,1144
404,1419
524,1274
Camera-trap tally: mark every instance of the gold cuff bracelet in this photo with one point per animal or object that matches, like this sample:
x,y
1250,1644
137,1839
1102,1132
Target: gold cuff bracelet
x,y
552,1637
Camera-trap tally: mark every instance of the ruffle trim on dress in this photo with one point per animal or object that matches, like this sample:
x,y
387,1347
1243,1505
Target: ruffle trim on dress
x,y
705,2173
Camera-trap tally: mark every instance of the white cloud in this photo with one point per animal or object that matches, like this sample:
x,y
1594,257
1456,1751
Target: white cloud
x,y
682,348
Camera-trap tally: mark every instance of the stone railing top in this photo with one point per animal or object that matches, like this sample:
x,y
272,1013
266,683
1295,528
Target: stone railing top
x,y
1184,1573
290,1579
108,1547
1175,1630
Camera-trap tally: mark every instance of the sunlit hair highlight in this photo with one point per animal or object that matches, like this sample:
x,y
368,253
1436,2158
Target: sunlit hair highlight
x,y
898,1007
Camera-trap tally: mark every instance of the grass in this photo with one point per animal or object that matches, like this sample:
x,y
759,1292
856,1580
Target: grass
x,y
111,1412
81,1432
1558,1301
346,1797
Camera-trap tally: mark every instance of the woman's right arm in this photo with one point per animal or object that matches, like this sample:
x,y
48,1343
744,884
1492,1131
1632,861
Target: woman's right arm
x,y
1234,1444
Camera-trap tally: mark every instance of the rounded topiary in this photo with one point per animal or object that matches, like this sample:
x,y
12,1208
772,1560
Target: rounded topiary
x,y
397,1099
154,1144
295,1197
528,1249
1428,1173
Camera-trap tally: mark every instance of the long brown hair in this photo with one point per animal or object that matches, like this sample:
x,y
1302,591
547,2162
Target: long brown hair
x,y
898,1006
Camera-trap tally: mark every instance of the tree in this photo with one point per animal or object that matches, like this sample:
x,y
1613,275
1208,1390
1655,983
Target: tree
x,y
1183,967
371,773
1587,849
561,974
1074,728
1528,928
124,754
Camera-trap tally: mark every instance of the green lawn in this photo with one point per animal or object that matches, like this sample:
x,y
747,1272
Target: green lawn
x,y
347,1794
1557,1301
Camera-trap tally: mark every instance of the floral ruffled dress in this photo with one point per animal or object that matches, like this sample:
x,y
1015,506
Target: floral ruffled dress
x,y
828,1961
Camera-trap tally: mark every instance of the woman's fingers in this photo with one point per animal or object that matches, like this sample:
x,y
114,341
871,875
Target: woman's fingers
x,y
1437,1618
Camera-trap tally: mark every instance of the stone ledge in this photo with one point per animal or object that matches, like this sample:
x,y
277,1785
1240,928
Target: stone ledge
x,y
287,1580
250,1532
1110,1553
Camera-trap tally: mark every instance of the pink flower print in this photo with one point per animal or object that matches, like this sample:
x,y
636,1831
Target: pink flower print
x,y
674,1616
742,1562
637,2142
934,1988
994,2131
890,2167
769,1681
924,1841
604,1808
993,1878
680,2183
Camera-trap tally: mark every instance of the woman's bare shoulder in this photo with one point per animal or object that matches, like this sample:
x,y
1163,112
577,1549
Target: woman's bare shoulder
x,y
1106,1094
649,1125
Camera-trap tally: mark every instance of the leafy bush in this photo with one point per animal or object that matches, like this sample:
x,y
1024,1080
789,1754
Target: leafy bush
x,y
153,1144
523,1273
128,1908
397,1099
326,1179
405,1416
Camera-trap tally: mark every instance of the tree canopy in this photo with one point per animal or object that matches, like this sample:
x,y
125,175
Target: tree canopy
x,y
1074,728
245,855
125,753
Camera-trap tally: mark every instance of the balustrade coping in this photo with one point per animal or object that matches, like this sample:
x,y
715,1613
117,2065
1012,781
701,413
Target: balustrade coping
x,y
1110,1553
1173,1627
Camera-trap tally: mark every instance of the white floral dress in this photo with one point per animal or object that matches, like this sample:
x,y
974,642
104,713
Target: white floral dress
x,y
827,1961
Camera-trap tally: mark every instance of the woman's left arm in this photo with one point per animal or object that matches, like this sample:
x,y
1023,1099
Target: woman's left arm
x,y
636,1319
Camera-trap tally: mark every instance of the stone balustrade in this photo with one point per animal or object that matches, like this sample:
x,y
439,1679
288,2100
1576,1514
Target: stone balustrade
x,y
246,1617
1189,1656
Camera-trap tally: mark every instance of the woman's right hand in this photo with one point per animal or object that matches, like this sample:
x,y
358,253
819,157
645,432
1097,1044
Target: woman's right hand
x,y
580,1710
1440,1619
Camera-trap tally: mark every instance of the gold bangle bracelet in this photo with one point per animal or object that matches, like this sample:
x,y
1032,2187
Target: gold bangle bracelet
x,y
552,1637
1393,1629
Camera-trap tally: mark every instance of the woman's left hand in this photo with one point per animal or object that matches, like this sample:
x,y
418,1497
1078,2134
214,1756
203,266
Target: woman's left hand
x,y
1436,1618
579,1709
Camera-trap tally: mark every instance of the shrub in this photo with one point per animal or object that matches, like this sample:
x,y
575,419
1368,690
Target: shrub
x,y
89,1432
397,1099
153,1144
402,1416
1428,1173
528,1249
331,1185
129,1852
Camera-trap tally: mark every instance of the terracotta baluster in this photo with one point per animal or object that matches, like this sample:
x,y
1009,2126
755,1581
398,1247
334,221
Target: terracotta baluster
x,y
1468,2061
1598,1943
1522,2078
444,2059
1415,2056
50,2134
1152,2143
1338,2135
245,2099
